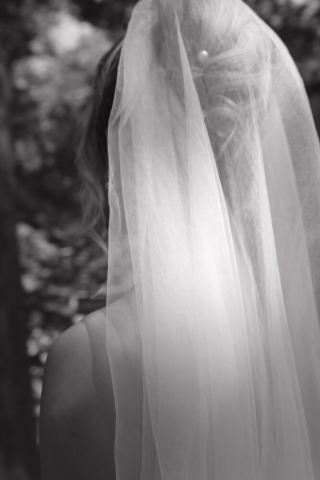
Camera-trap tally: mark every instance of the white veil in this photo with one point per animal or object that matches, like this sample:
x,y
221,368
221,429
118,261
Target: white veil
x,y
214,250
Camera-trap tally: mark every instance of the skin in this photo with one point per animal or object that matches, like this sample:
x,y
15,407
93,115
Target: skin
x,y
77,424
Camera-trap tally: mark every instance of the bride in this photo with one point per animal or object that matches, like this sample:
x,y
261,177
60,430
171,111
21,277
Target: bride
x,y
205,363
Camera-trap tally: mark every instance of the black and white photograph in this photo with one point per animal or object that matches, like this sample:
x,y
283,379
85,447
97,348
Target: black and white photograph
x,y
159,240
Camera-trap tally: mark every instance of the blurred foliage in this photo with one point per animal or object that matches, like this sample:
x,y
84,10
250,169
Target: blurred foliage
x,y
297,22
112,15
16,27
51,80
52,48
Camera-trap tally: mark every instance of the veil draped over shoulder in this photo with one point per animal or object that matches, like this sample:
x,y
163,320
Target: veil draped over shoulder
x,y
213,293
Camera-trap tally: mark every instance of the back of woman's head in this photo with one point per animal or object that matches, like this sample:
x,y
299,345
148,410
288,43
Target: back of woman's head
x,y
236,65
92,157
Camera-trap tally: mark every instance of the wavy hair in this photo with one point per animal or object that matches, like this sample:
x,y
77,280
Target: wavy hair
x,y
92,158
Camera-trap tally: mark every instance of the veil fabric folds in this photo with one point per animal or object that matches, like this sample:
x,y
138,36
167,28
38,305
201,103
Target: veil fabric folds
x,y
213,292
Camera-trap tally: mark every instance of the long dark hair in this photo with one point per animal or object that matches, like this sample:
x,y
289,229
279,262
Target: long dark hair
x,y
92,159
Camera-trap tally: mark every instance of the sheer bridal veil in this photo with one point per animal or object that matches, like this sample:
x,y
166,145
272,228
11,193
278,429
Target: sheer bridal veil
x,y
213,293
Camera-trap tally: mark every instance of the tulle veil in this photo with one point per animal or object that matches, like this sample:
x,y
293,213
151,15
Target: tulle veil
x,y
213,292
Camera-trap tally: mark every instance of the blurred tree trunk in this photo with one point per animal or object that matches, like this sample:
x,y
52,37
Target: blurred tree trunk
x,y
18,450
314,97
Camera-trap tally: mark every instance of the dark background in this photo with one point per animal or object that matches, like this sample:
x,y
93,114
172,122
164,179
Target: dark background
x,y
48,52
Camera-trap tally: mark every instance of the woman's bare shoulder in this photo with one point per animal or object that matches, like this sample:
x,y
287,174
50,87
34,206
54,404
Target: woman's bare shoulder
x,y
77,406
77,367
71,357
